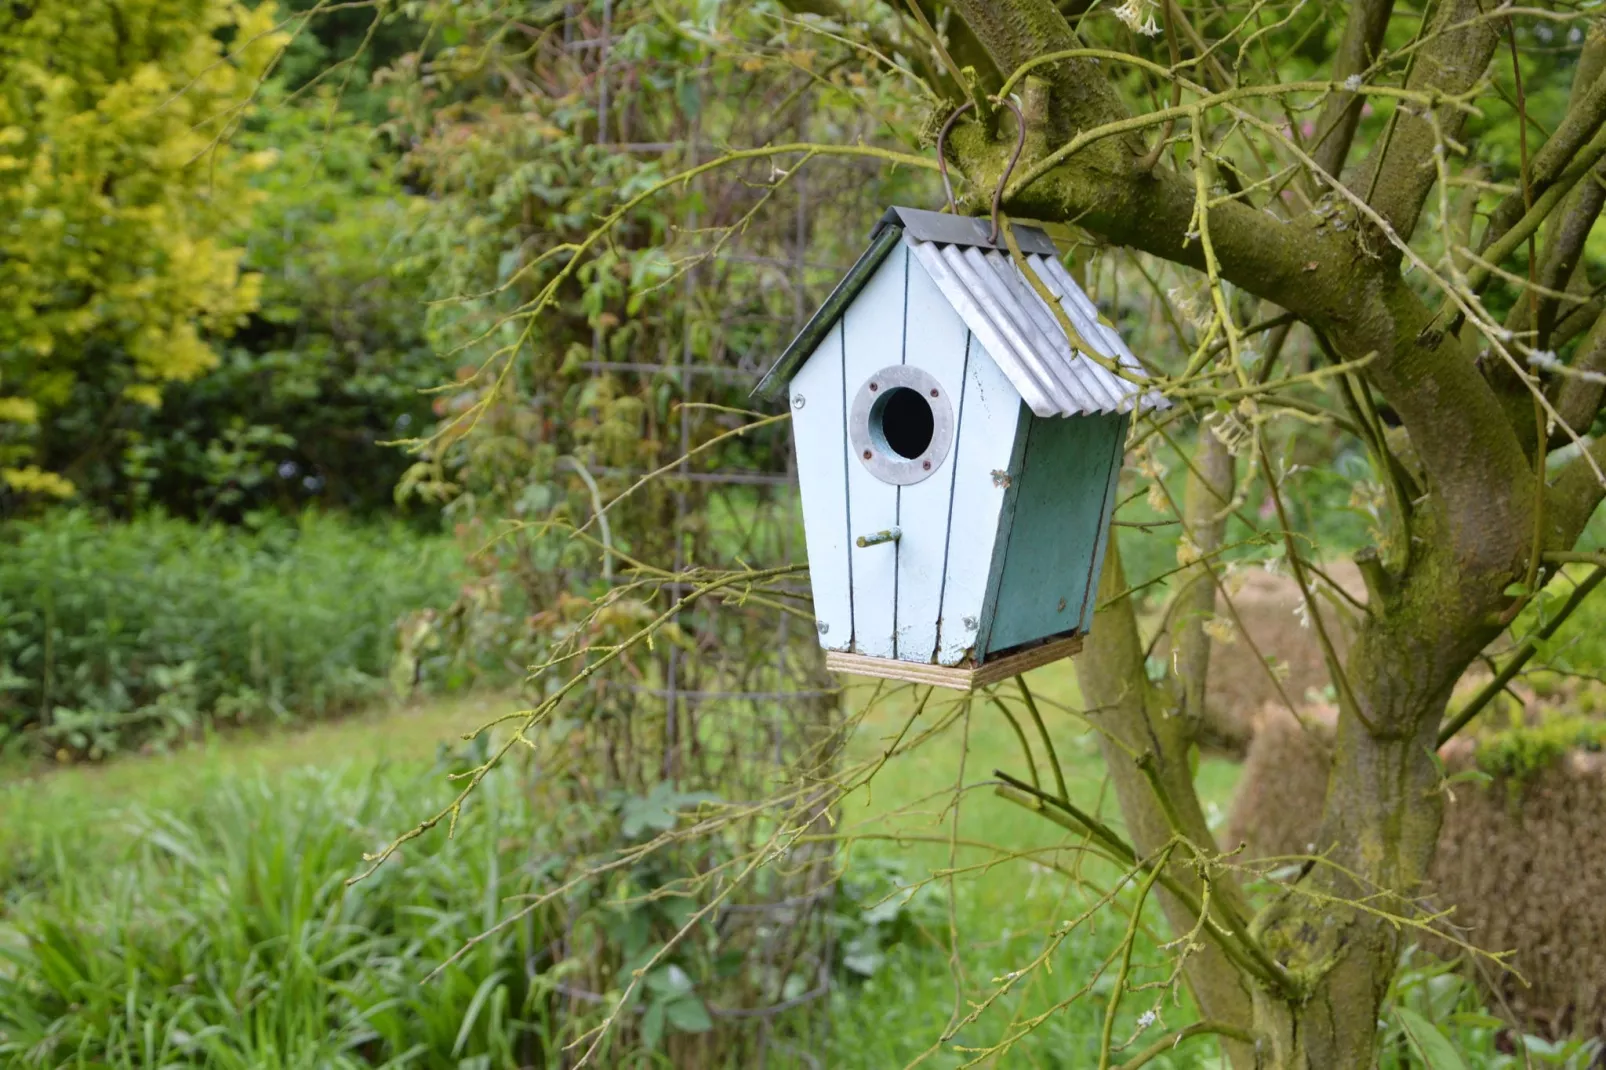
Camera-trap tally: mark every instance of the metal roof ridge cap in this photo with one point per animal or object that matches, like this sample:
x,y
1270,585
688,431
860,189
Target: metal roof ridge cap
x,y
946,228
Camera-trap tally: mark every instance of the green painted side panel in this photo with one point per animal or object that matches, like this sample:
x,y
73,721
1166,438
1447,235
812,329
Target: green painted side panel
x,y
1005,525
1055,549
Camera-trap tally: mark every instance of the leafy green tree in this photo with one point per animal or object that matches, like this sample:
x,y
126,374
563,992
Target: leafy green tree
x,y
309,390
118,188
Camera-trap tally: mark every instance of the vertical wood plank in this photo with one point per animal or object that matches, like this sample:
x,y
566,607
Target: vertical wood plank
x,y
992,416
819,436
937,341
872,339
1008,519
1106,514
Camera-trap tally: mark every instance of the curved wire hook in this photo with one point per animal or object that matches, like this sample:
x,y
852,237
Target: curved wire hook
x,y
942,160
1003,180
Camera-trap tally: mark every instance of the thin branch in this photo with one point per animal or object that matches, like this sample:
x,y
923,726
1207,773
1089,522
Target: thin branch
x,y
1525,651
1169,1042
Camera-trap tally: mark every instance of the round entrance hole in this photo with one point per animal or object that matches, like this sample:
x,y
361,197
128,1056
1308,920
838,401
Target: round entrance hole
x,y
902,422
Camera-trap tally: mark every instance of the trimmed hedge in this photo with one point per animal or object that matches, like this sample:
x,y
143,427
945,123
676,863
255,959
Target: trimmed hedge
x,y
1520,855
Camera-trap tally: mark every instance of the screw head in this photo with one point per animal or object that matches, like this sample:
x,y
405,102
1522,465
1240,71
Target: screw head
x,y
875,386
933,391
797,401
969,622
824,627
926,465
867,455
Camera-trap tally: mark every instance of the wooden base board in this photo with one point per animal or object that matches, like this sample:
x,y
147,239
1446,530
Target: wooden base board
x,y
959,677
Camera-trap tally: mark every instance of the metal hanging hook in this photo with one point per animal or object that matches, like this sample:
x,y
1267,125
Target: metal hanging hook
x,y
1003,180
942,160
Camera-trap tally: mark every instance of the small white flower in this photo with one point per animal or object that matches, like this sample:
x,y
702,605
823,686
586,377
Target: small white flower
x,y
1544,358
1302,611
1146,1019
1352,83
1138,17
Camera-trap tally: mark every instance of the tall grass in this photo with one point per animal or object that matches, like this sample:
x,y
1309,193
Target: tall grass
x,y
220,933
111,633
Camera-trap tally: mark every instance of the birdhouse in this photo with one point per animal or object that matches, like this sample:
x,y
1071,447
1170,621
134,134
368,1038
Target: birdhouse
x,y
957,456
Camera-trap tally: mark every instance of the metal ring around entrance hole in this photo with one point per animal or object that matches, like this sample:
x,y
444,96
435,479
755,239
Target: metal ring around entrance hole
x,y
870,445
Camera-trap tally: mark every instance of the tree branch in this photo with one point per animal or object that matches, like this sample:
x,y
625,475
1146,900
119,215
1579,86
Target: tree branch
x,y
1575,494
1341,114
1017,31
1207,503
1171,1040
1521,657
1585,115
1111,671
1400,172
1578,397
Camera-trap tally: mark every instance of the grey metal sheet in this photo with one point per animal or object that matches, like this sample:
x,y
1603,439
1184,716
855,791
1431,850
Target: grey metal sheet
x,y
1038,326
1020,358
948,229
1104,389
1022,334
981,324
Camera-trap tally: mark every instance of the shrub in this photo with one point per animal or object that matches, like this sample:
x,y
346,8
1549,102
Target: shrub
x,y
298,406
112,633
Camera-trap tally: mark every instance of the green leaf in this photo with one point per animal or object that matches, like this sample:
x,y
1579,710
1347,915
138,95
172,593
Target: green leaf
x,y
1433,1046
690,1016
670,982
658,809
652,1027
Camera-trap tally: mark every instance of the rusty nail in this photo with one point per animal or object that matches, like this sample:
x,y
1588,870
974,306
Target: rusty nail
x,y
873,386
926,465
867,455
933,391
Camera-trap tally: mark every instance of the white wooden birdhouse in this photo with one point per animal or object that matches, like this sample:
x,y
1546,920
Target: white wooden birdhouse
x,y
957,456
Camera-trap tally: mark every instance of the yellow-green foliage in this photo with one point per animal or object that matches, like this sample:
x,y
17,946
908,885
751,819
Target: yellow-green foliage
x,y
1520,753
115,177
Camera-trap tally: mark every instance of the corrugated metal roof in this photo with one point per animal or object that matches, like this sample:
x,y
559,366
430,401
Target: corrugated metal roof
x,y
1016,326
1023,336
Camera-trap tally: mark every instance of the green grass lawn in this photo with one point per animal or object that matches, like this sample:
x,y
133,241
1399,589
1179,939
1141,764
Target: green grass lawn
x,y
188,909
1002,913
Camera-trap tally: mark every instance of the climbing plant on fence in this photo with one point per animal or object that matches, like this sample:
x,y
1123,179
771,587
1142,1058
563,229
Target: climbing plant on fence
x,y
595,452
